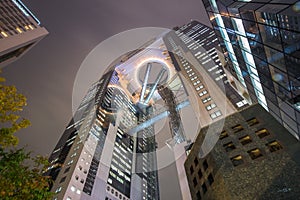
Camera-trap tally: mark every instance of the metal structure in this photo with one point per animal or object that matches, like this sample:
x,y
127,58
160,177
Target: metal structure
x,y
174,95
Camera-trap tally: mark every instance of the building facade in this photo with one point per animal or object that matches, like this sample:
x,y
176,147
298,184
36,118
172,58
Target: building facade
x,y
260,40
19,30
194,51
254,158
95,157
108,151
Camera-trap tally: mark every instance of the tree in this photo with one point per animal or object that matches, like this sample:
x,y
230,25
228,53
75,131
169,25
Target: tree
x,y
20,172
21,176
11,103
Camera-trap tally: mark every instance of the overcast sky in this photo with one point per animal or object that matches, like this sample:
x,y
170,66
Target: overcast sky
x,y
46,74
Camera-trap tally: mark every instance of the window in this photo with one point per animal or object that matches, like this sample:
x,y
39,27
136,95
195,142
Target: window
x,y
210,106
262,133
73,188
223,135
207,99
199,87
58,190
254,153
192,170
237,160
70,162
245,140
205,165
215,114
204,188
229,147
252,121
62,179
198,195
210,179
200,174
196,161
202,93
195,182
274,146
237,128
67,169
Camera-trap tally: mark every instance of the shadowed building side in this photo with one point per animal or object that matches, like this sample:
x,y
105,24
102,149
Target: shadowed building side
x,y
255,157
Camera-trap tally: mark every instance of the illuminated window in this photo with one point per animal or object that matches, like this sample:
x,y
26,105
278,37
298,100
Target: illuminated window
x,y
202,93
4,34
237,160
252,122
58,190
245,140
207,99
211,106
215,114
237,128
73,188
254,153
229,147
70,162
274,146
223,135
262,133
199,87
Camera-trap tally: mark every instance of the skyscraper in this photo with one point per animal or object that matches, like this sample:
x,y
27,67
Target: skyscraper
x,y
254,158
19,30
260,40
95,157
108,150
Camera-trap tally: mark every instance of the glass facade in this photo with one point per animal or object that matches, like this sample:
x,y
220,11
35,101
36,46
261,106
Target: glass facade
x,y
98,133
261,42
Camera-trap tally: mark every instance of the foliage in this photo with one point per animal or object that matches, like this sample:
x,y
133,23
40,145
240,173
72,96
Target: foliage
x,y
20,172
11,103
21,176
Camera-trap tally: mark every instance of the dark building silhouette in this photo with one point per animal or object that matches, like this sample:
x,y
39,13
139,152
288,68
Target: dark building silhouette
x,y
254,158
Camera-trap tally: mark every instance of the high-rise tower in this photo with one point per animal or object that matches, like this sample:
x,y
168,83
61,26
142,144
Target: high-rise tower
x,y
19,30
109,149
260,40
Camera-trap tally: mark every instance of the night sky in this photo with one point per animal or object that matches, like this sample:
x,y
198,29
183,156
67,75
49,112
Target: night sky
x,y
46,74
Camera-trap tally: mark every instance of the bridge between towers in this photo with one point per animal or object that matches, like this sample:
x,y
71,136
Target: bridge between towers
x,y
175,97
